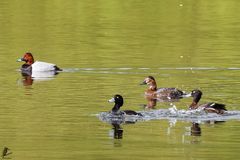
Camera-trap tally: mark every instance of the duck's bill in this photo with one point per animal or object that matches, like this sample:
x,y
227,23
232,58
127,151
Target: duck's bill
x,y
143,83
20,60
187,95
111,100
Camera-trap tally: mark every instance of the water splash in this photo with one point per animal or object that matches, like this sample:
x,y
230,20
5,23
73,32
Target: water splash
x,y
172,114
118,118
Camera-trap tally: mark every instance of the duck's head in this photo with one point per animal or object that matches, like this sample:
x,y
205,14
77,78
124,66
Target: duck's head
x,y
118,100
27,57
148,80
196,94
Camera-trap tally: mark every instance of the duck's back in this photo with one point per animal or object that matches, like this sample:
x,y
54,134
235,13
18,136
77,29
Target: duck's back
x,y
170,92
217,106
43,66
131,112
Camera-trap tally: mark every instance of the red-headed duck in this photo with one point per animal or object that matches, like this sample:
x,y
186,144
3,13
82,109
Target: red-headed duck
x,y
31,65
118,100
168,93
210,107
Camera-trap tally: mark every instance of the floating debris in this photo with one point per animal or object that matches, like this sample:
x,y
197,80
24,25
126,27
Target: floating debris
x,y
5,152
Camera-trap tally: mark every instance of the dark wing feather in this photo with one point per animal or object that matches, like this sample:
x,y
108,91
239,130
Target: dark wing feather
x,y
131,112
217,106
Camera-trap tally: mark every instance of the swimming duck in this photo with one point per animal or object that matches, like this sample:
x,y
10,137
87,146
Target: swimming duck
x,y
31,65
118,100
210,107
169,93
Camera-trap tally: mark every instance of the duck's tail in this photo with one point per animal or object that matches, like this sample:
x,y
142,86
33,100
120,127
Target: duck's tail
x,y
218,106
215,108
57,68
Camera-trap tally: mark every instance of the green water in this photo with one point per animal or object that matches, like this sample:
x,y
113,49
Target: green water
x,y
107,47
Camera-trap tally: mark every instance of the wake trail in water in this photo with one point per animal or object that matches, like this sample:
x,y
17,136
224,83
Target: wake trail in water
x,y
170,114
141,70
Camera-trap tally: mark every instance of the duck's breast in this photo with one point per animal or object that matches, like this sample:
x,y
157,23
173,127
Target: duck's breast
x,y
42,66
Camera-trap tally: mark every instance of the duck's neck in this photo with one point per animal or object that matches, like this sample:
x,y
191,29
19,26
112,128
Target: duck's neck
x,y
193,105
195,101
116,108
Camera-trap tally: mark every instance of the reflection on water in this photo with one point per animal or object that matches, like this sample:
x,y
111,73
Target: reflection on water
x,y
27,80
191,135
195,129
152,101
117,131
28,77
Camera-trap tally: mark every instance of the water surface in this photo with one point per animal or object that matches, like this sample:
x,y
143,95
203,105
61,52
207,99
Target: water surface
x,y
108,47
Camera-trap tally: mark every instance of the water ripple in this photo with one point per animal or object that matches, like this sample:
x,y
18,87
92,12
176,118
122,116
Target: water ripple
x,y
140,70
170,114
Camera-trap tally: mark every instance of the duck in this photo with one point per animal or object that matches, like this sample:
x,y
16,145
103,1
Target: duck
x,y
168,93
210,107
118,100
31,66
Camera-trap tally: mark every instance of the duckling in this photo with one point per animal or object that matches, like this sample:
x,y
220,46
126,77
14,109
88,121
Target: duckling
x,y
118,100
168,93
210,107
31,65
